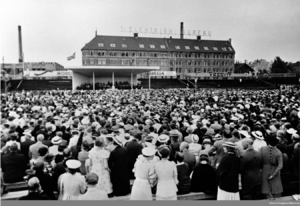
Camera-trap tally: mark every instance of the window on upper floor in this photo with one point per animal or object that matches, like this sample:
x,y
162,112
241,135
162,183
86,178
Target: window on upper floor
x,y
112,45
229,48
152,46
197,48
142,46
224,49
215,48
206,48
187,47
124,45
100,45
162,46
177,47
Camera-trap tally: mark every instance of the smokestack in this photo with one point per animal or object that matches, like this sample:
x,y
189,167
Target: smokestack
x,y
20,46
198,38
181,30
229,40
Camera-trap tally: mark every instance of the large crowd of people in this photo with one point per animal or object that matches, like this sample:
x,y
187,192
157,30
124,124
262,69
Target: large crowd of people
x,y
88,145
100,85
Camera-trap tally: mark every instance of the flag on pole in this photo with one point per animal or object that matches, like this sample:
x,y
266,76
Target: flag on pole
x,y
71,57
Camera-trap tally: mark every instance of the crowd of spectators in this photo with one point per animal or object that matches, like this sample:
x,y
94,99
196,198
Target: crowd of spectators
x,y
108,85
88,145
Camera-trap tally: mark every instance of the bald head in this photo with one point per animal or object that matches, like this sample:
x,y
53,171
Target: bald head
x,y
40,137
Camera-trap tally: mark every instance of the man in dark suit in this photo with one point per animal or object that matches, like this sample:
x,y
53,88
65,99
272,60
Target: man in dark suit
x,y
118,162
25,147
13,165
250,167
188,157
134,149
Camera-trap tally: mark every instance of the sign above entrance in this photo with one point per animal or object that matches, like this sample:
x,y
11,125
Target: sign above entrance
x,y
162,73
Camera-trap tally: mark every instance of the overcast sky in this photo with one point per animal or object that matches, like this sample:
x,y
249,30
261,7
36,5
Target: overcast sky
x,y
53,30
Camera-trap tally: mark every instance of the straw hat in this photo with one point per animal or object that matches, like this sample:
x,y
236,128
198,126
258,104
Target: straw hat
x,y
56,140
257,135
117,139
163,138
229,144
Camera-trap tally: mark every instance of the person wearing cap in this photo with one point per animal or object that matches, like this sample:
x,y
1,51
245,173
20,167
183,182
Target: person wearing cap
x,y
206,147
13,165
35,191
228,174
93,192
272,165
203,178
259,141
33,149
98,158
153,134
118,164
250,170
167,181
13,140
71,184
144,175
74,139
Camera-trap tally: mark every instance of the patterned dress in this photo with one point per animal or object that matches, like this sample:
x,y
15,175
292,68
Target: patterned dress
x,y
99,158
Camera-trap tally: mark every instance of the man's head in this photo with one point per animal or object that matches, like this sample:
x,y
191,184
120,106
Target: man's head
x,y
40,137
247,143
34,184
92,179
13,147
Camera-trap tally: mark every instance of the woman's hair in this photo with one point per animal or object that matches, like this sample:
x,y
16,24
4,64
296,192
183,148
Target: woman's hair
x,y
92,179
99,141
164,152
86,145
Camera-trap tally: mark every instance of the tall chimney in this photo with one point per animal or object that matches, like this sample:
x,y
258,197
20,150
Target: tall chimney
x,y
181,30
20,46
229,40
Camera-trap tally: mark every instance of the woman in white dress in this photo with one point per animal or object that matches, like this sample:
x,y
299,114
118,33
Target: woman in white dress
x,y
98,157
166,172
71,184
144,174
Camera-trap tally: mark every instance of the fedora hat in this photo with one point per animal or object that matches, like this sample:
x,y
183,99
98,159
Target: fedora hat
x,y
257,135
149,151
163,138
56,140
117,140
49,158
73,164
291,131
195,138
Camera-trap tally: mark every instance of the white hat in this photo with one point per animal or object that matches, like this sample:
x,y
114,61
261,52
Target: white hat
x,y
73,164
56,140
229,144
27,133
163,138
117,139
257,135
149,151
291,131
245,133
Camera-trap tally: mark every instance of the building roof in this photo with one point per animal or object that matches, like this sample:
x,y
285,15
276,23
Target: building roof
x,y
158,44
239,66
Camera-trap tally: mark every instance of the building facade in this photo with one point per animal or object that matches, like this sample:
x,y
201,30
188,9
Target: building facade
x,y
188,57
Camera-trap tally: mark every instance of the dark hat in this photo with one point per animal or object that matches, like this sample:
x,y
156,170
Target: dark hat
x,y
203,157
49,158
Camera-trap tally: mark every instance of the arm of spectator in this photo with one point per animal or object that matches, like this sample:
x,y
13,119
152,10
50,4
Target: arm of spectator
x,y
242,164
175,174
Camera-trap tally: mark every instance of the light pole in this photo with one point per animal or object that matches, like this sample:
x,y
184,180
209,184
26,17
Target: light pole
x,y
196,80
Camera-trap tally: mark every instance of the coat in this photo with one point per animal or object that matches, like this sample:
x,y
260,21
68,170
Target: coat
x,y
118,164
250,169
228,173
272,164
204,179
25,148
134,149
190,159
13,166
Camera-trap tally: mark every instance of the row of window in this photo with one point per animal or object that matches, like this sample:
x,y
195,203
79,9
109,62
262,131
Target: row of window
x,y
152,46
201,70
148,62
155,54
